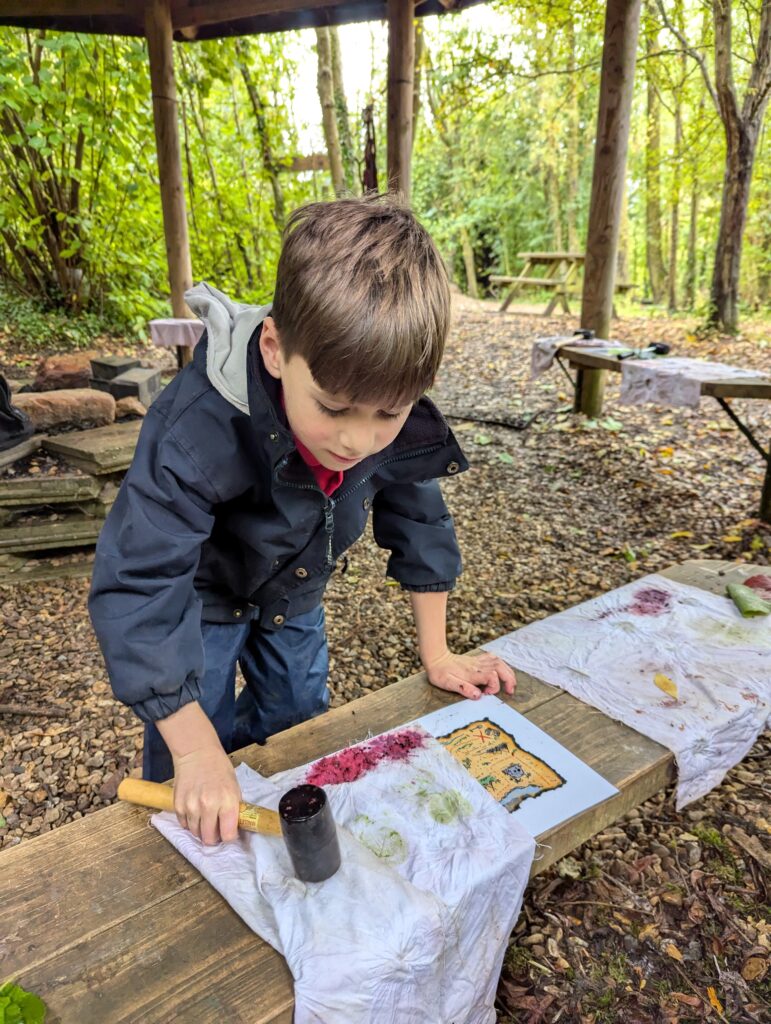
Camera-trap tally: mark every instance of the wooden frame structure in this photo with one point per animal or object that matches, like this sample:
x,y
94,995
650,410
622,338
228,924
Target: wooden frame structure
x,y
163,21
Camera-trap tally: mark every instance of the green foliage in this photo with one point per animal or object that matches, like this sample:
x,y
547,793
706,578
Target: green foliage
x,y
502,160
81,225
20,1007
28,324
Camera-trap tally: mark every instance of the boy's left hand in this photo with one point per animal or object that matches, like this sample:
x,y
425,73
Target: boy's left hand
x,y
471,675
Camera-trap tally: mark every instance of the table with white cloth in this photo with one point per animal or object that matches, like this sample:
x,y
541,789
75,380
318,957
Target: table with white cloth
x,y
674,381
106,921
181,333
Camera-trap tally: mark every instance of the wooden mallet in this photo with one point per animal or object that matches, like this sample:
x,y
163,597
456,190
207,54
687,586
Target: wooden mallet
x,y
251,817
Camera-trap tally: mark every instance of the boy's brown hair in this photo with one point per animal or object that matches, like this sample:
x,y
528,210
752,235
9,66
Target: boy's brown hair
x,y
362,295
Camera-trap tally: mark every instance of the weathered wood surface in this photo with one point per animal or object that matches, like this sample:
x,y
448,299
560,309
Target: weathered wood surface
x,y
20,451
401,72
69,531
741,387
19,569
108,923
28,491
101,450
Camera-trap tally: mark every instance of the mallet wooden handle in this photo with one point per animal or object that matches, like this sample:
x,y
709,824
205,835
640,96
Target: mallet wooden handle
x,y
251,817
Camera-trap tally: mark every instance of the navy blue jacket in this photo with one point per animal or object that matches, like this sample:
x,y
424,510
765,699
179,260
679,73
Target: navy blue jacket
x,y
220,519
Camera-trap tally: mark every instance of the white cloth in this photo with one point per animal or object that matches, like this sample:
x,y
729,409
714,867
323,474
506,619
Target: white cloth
x,y
674,380
545,349
609,651
176,331
413,927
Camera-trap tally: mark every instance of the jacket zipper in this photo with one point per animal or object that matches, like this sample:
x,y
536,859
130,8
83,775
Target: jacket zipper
x,y
329,504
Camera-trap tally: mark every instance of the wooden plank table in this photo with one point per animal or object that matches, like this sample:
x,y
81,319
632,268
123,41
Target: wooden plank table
x,y
583,359
560,277
108,923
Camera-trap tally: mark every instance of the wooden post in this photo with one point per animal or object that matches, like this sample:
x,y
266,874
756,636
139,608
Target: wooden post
x,y
401,72
158,29
622,24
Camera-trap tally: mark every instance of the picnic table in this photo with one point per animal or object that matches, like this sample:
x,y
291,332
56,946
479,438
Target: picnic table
x,y
108,923
589,389
560,276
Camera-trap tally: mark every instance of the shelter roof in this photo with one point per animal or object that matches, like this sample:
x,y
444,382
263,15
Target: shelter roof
x,y
203,19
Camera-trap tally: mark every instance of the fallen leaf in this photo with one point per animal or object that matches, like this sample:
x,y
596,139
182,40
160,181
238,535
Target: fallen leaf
x,y
731,538
714,1002
671,950
680,533
755,968
666,684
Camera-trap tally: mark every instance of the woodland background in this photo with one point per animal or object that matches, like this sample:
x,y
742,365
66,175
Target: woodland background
x,y
506,103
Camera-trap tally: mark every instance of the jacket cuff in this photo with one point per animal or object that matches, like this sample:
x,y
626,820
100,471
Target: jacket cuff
x,y
161,705
429,588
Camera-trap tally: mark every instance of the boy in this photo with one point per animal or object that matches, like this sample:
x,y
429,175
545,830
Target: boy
x,y
256,468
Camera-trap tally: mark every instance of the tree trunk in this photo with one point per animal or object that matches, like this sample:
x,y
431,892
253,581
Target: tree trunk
x,y
325,86
341,110
552,188
573,167
690,267
622,260
266,148
674,228
622,22
742,128
468,263
724,292
656,272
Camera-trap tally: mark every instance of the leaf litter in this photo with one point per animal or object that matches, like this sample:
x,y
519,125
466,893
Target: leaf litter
x,y
552,513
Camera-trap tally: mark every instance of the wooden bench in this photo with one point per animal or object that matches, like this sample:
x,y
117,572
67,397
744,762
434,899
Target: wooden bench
x,y
108,923
589,390
561,277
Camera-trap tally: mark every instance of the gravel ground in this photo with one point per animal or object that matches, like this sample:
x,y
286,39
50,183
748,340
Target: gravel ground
x,y
663,917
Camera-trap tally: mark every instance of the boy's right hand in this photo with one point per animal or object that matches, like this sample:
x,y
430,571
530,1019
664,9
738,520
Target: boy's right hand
x,y
207,794
206,790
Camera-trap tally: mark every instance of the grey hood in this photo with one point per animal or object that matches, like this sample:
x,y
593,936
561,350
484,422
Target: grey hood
x,y
229,326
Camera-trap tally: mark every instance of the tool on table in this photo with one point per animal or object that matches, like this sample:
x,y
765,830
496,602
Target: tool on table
x,y
304,819
309,832
656,348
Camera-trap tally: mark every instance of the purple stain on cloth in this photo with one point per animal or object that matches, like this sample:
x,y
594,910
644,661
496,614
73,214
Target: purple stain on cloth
x,y
651,601
352,763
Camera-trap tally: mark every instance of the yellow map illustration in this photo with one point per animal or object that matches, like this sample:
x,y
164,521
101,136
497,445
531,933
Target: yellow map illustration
x,y
495,759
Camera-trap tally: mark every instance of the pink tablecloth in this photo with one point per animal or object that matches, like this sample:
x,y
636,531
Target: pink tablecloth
x,y
176,331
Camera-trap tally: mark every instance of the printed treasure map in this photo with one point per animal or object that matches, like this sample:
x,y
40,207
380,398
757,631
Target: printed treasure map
x,y
523,768
507,771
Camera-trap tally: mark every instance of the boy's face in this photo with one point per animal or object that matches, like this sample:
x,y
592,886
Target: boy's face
x,y
337,433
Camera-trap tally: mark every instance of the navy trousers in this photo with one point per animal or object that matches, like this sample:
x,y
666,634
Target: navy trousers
x,y
286,682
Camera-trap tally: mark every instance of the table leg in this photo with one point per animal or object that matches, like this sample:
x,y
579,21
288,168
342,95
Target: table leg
x,y
514,289
590,392
184,356
765,497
